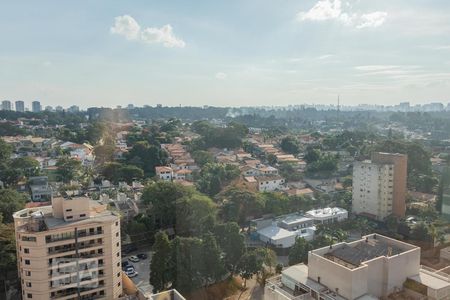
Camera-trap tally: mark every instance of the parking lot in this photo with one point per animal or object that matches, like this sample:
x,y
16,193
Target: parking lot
x,y
143,268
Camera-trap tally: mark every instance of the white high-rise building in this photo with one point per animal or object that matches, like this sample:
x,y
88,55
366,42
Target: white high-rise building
x,y
20,106
6,105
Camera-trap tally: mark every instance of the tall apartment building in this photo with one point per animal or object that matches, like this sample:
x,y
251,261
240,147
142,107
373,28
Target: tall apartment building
x,y
379,185
373,267
36,106
20,106
69,250
6,105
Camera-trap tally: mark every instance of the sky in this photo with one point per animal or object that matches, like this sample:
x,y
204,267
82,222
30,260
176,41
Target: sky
x,y
225,53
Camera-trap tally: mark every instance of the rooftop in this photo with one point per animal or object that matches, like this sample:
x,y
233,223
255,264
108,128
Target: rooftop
x,y
351,255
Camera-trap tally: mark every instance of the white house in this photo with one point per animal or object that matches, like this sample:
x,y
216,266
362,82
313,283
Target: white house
x,y
270,183
327,215
164,173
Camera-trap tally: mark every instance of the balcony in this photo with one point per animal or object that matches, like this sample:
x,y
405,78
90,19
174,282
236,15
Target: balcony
x,y
74,291
71,236
71,247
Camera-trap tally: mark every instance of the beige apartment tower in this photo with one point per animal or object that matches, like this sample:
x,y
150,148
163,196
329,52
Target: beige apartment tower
x,y
69,250
379,185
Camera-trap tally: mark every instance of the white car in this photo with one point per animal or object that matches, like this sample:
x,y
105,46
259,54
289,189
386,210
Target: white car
x,y
131,273
134,258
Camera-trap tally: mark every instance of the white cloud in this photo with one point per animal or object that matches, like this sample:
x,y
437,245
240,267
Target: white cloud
x,y
127,27
321,11
325,10
376,67
221,75
162,35
373,20
325,56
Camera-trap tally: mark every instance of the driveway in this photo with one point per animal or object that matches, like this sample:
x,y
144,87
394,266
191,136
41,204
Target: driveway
x,y
142,281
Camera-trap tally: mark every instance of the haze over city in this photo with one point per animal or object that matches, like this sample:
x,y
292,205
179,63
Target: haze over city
x,y
225,53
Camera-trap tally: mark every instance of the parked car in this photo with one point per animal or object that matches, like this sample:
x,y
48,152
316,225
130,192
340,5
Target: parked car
x,y
134,258
125,263
142,256
131,273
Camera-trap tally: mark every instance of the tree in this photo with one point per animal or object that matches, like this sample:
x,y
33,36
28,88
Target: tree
x,y
214,176
290,145
5,151
104,153
271,159
111,171
202,157
7,248
299,251
163,195
146,157
128,173
250,264
10,202
28,166
68,168
239,204
195,215
160,262
231,241
213,267
311,155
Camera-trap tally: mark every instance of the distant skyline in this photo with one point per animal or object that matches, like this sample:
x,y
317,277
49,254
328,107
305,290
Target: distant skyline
x,y
225,53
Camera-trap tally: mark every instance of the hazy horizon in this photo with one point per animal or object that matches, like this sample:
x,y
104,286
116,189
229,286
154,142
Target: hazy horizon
x,y
252,53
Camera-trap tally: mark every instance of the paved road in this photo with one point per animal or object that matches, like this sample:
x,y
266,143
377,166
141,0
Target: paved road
x,y
142,281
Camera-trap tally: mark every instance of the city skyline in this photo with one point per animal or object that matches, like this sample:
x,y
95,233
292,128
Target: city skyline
x,y
257,53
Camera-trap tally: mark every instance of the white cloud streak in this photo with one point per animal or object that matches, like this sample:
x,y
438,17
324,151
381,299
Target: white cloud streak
x,y
221,76
325,10
129,28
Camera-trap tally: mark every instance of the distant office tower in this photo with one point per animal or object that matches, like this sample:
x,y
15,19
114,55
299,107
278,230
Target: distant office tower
x,y
59,108
36,106
6,105
73,109
20,106
379,185
69,250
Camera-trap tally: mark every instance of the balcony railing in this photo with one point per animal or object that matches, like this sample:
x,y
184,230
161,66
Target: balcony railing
x,y
73,248
71,236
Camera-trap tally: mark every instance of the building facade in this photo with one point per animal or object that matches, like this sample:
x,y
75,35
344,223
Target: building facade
x,y
69,250
379,186
6,105
20,106
374,267
36,106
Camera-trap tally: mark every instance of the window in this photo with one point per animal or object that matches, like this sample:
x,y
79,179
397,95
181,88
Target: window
x,y
117,234
69,217
69,209
82,215
118,254
117,244
28,284
118,284
29,295
27,273
118,264
27,261
118,274
26,250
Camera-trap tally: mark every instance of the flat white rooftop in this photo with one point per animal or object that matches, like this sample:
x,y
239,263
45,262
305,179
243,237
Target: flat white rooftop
x,y
430,281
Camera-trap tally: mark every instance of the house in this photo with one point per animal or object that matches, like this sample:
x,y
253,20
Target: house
x,y
40,189
270,183
373,267
282,231
164,173
327,215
